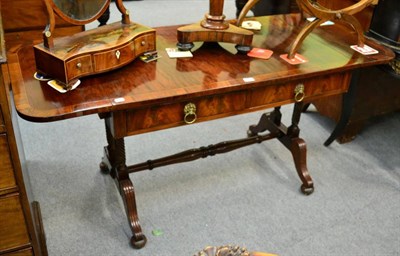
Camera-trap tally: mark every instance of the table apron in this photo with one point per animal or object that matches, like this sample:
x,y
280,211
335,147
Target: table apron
x,y
129,122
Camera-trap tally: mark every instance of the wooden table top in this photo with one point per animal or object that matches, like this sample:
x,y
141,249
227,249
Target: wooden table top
x,y
212,70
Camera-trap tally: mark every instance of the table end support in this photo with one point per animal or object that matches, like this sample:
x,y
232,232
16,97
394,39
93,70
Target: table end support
x,y
289,137
127,192
114,163
126,189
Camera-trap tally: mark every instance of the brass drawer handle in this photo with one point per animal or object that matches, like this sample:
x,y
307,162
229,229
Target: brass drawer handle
x,y
299,93
190,113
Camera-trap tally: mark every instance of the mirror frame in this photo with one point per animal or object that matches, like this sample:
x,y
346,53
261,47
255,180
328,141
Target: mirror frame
x,y
79,22
52,8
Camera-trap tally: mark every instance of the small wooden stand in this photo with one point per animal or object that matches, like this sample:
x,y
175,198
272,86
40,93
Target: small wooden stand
x,y
214,28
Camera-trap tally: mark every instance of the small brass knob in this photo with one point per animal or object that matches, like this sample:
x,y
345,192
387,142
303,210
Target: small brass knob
x,y
117,54
190,113
299,93
79,65
143,43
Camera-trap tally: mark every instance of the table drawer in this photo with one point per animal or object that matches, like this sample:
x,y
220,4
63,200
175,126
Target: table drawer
x,y
13,232
280,94
7,180
130,122
173,114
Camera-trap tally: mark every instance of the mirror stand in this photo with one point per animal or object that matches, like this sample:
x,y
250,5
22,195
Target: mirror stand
x,y
108,47
214,28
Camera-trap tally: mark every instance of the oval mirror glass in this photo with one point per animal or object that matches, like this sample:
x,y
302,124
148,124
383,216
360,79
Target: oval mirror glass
x,y
80,10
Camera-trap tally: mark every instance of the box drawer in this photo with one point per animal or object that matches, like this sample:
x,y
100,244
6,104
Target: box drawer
x,y
144,43
121,56
13,231
114,58
7,180
78,67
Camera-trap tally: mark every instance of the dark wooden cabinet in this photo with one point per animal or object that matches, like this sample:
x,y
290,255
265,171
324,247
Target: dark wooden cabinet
x,y
375,91
17,235
21,22
17,229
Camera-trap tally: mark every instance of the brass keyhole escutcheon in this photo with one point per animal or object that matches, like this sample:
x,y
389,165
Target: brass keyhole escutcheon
x,y
299,93
117,54
190,113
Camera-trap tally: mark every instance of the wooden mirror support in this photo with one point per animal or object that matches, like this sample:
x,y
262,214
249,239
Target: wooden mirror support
x,y
321,14
93,51
214,28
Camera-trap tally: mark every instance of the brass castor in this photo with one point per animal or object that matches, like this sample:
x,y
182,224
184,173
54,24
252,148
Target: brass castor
x,y
104,168
307,190
250,133
140,243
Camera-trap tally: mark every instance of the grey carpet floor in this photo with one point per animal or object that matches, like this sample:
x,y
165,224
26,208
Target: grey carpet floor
x,y
249,197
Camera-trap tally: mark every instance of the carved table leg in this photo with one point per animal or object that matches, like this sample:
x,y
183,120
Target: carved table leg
x,y
290,138
299,152
114,161
297,147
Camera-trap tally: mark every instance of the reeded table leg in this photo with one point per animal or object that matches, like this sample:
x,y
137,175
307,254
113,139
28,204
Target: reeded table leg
x,y
114,161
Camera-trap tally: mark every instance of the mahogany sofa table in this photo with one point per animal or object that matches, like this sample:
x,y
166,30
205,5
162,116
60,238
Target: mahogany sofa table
x,y
144,97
